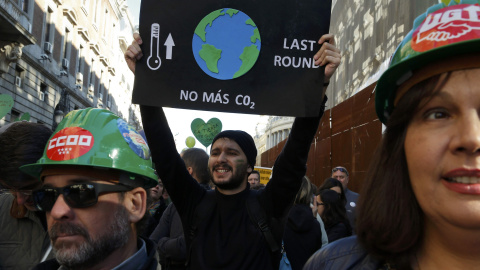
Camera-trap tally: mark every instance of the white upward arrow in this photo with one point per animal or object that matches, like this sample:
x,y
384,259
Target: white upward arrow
x,y
169,44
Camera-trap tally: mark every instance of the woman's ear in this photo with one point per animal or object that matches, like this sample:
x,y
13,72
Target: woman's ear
x,y
249,169
190,170
136,203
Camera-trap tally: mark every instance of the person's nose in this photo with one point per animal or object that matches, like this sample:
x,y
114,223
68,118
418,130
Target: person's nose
x,y
467,135
21,198
222,157
60,209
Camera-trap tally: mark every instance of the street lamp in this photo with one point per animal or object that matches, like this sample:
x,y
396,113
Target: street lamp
x,y
61,108
58,116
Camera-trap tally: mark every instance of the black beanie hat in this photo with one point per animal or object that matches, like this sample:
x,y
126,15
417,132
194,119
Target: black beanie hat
x,y
244,140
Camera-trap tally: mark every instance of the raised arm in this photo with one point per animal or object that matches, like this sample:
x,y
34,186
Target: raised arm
x,y
168,163
181,186
290,166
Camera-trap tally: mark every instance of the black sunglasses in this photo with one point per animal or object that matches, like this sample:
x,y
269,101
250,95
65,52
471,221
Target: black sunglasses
x,y
75,195
26,192
340,169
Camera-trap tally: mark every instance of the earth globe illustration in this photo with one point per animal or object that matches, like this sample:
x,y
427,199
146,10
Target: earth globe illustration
x,y
226,44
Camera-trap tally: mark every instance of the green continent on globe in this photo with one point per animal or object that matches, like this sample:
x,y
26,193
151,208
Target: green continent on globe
x,y
256,33
250,22
211,55
255,36
200,30
248,57
232,12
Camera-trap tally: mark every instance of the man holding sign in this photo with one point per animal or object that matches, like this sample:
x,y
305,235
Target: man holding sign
x,y
221,230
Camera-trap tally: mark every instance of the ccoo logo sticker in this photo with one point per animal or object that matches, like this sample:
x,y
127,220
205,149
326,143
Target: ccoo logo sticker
x,y
69,143
446,26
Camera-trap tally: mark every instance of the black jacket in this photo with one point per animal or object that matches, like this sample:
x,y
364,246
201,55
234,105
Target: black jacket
x,y
227,238
345,253
170,240
302,236
338,231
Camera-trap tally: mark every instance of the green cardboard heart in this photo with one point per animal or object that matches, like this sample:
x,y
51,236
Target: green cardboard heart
x,y
24,117
205,132
6,104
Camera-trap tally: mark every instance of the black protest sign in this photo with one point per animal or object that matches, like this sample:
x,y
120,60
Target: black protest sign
x,y
233,56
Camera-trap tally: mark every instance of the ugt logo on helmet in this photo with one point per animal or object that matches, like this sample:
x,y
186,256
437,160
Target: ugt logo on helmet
x,y
69,143
446,26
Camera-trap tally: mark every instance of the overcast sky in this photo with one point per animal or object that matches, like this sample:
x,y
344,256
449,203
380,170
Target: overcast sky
x,y
134,6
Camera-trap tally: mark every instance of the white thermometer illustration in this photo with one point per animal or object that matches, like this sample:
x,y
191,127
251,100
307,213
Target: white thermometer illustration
x,y
154,61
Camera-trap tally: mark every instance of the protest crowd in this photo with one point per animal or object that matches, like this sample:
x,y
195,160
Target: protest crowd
x,y
99,203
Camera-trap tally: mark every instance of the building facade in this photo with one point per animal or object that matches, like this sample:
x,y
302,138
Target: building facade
x,y
71,57
367,32
272,132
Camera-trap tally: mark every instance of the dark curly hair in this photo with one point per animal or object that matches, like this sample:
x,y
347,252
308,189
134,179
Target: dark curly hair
x,y
21,143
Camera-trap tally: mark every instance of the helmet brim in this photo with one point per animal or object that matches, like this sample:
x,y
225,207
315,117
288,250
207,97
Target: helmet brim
x,y
394,76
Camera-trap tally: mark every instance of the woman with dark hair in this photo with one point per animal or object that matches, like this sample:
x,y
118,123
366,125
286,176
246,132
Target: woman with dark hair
x,y
335,185
331,209
420,206
302,236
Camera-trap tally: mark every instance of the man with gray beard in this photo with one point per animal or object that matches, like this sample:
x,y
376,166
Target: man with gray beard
x,y
92,250
95,170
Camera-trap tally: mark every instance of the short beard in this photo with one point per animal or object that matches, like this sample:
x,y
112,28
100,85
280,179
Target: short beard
x,y
92,251
235,181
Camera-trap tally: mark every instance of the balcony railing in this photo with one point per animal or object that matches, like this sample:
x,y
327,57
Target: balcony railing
x,y
11,9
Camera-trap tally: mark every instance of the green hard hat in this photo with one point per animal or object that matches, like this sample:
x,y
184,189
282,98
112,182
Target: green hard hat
x,y
443,32
98,138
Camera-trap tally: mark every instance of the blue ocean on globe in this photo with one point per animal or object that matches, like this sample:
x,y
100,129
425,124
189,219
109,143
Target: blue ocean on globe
x,y
231,33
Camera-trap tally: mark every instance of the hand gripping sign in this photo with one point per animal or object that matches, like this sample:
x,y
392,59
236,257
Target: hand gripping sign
x,y
234,56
